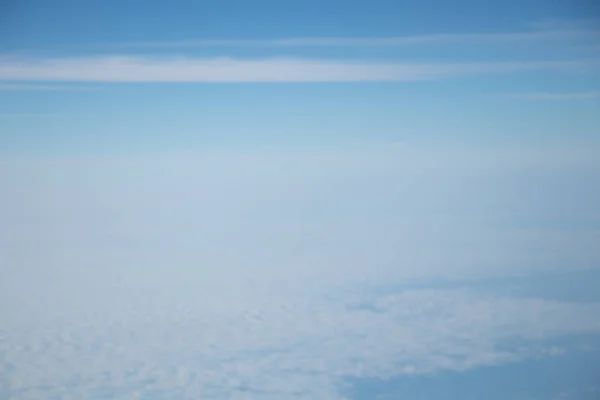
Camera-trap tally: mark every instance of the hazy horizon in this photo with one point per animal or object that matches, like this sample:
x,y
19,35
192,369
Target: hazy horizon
x,y
326,200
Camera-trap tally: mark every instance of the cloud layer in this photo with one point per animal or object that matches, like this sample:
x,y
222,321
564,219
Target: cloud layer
x,y
193,342
271,273
184,69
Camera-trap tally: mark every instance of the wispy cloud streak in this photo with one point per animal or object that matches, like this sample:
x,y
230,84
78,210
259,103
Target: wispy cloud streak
x,y
14,87
560,96
26,115
409,40
184,69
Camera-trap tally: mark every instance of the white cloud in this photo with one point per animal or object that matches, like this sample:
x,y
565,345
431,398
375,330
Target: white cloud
x,y
184,69
197,344
196,275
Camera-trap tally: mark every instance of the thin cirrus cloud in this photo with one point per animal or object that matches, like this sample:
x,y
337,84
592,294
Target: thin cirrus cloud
x,y
8,87
223,69
560,96
26,115
408,40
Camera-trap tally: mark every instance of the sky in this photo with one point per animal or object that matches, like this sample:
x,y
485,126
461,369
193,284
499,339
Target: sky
x,y
326,200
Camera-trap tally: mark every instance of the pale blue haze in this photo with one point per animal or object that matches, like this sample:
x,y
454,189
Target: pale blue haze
x,y
312,200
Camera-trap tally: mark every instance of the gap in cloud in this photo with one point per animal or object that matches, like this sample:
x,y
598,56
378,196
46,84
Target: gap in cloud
x,y
563,370
572,284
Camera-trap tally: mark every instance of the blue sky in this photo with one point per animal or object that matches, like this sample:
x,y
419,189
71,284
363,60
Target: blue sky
x,y
316,200
125,76
37,23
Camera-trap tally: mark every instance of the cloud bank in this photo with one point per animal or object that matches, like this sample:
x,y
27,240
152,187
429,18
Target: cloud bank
x,y
270,273
213,346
